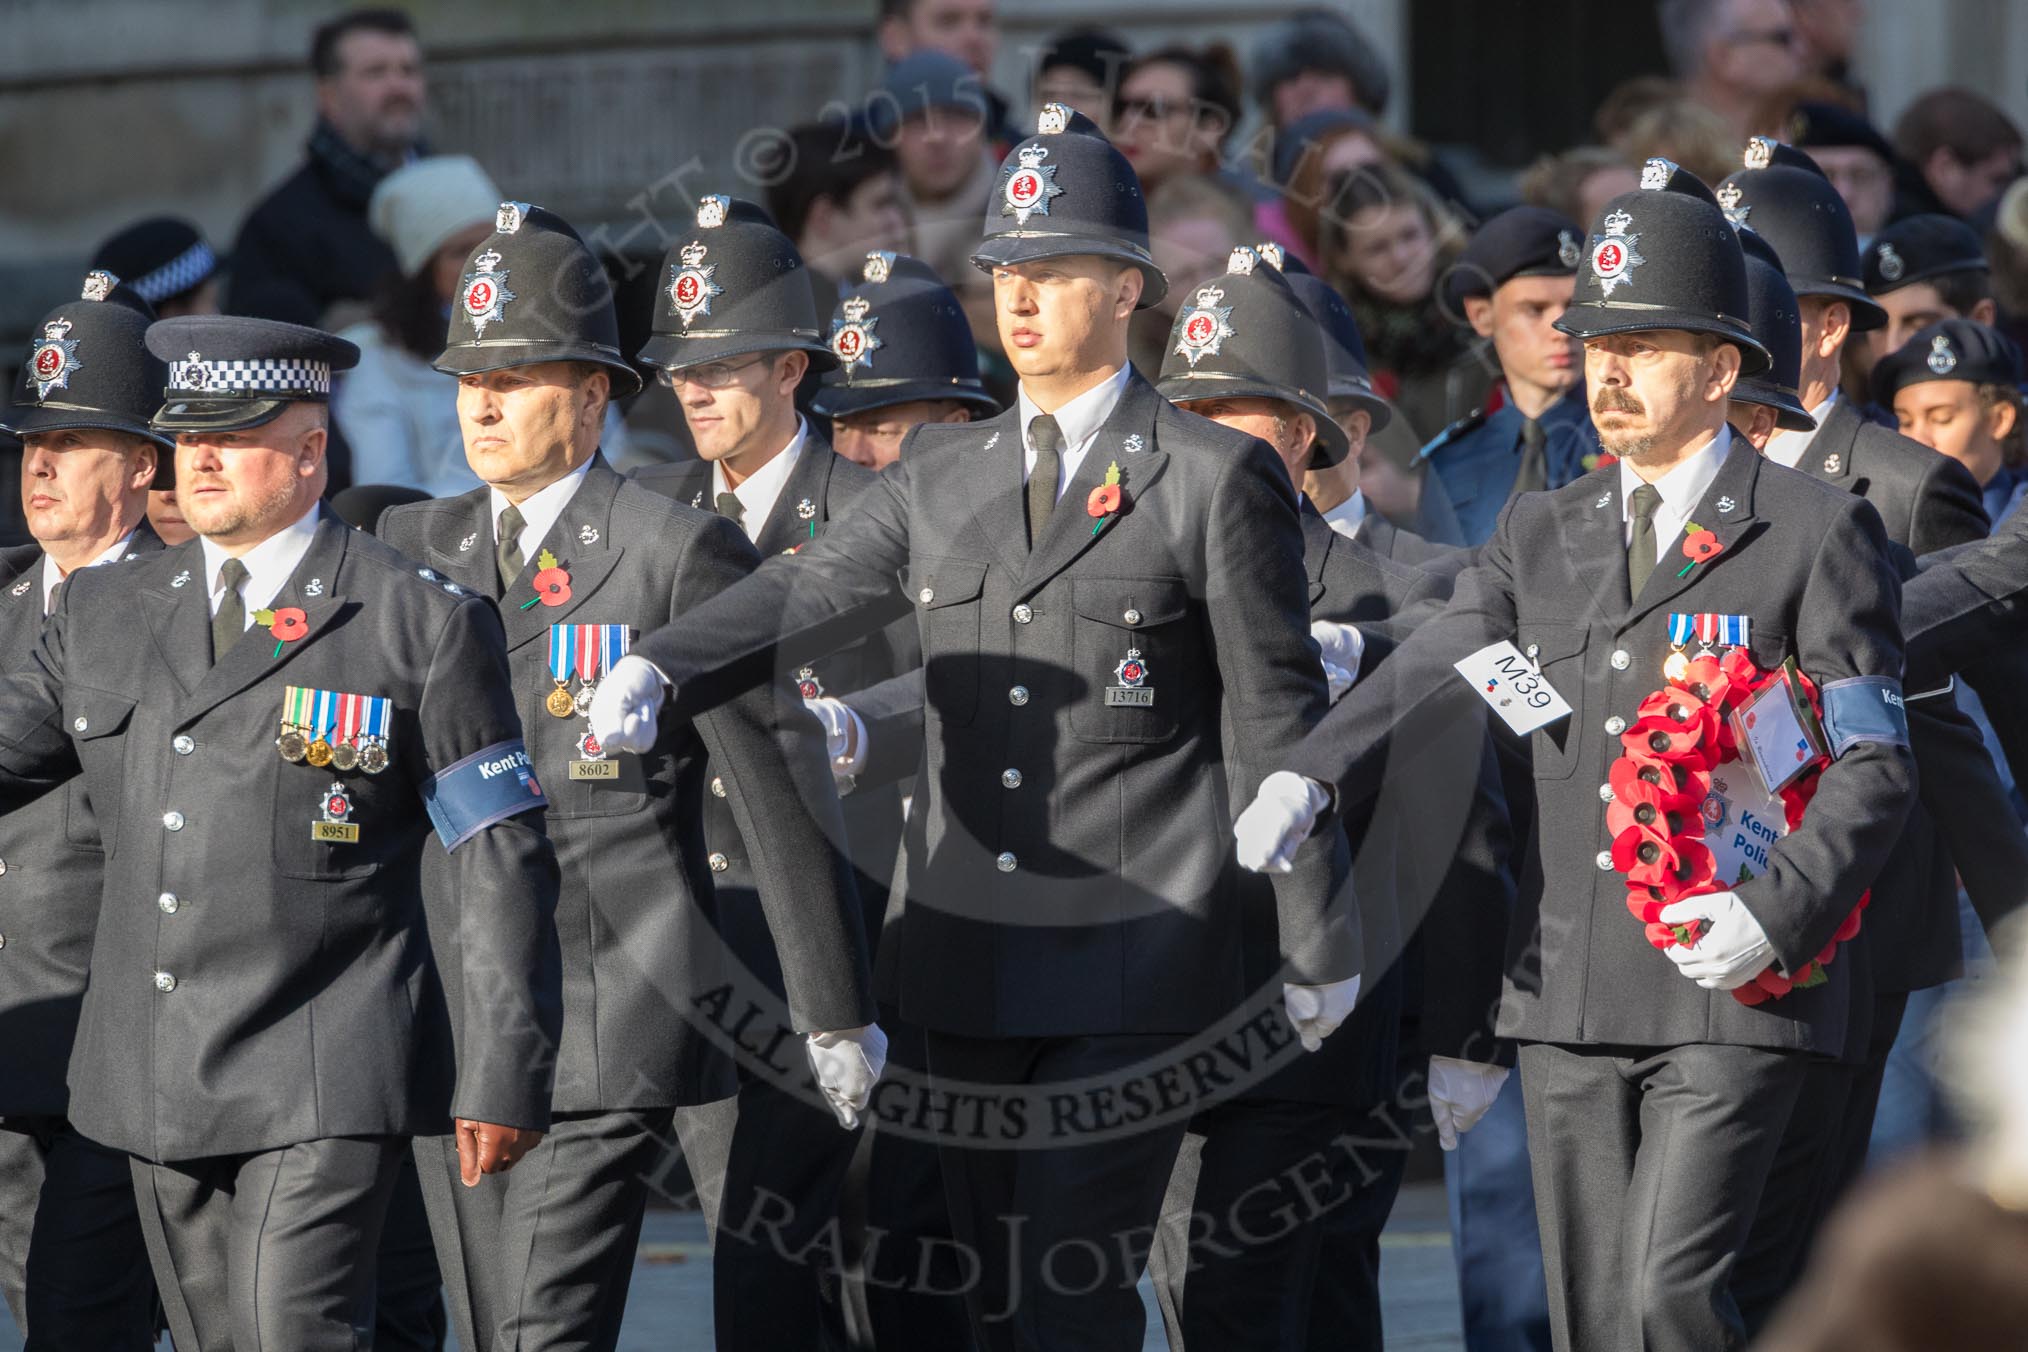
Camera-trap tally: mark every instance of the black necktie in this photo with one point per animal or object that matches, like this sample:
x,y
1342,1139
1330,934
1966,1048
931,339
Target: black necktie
x,y
1647,499
1048,439
731,508
1532,474
509,537
230,622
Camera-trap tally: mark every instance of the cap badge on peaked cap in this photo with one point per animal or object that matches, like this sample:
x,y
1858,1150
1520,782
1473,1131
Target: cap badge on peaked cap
x,y
1614,255
485,291
1941,359
52,358
1891,266
1204,326
1567,251
1030,187
852,338
690,284
879,266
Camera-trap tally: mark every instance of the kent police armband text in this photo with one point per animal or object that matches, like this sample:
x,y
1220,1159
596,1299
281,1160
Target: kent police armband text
x,y
1864,709
485,787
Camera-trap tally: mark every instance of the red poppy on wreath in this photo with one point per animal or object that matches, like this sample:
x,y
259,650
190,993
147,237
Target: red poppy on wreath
x,y
1641,804
1683,788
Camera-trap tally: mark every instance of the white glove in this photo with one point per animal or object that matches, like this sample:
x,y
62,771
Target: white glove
x,y
848,1065
1734,948
1342,644
1280,818
1460,1093
844,735
1316,1011
1340,680
624,706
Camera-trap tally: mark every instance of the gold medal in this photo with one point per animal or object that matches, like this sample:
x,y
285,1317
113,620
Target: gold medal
x,y
292,745
344,756
559,703
373,756
319,753
1677,666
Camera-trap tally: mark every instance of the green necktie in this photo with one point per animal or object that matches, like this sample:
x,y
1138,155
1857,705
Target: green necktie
x,y
1646,501
230,622
509,552
732,509
1048,439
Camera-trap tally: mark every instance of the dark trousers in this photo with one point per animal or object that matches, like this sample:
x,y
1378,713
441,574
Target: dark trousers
x,y
269,1252
913,1277
72,1262
1270,1237
777,1263
1060,1233
1821,1153
541,1256
408,1308
1495,1241
1649,1164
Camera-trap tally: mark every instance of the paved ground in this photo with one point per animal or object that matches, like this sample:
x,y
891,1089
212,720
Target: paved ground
x,y
669,1309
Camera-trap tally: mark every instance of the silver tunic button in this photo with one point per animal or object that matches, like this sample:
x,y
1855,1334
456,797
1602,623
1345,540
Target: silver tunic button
x,y
1132,617
1018,695
168,902
183,744
1605,793
717,787
1010,779
1023,613
926,596
3,941
1621,660
719,863
1605,861
78,724
164,982
173,820
3,866
1006,863
1615,725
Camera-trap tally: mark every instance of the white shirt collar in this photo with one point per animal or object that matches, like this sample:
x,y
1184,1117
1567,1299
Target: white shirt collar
x,y
51,574
1348,516
539,512
268,564
1079,420
1787,448
1682,488
757,495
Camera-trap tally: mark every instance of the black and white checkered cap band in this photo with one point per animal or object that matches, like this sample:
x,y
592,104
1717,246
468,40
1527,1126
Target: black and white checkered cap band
x,y
179,274
202,377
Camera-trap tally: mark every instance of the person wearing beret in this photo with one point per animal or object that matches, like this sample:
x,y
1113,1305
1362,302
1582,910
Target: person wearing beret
x,y
1656,1096
1512,282
1955,386
267,720
1112,605
578,560
736,332
1226,1285
1926,268
72,1263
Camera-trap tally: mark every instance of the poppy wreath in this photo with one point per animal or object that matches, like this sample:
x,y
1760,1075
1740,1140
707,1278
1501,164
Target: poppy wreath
x,y
1660,783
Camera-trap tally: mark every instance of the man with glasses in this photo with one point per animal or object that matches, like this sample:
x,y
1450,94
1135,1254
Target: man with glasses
x,y
1730,54
735,331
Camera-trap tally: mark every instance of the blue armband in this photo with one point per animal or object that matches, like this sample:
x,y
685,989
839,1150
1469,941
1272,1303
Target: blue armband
x,y
1864,709
485,787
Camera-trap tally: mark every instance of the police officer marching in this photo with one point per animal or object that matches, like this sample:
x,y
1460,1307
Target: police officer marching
x,y
287,691
1655,1097
72,1264
736,330
579,561
1101,583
